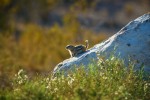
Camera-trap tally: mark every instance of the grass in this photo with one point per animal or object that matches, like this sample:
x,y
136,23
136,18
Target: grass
x,y
106,80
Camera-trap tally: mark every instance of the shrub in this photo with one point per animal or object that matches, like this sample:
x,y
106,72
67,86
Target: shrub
x,y
107,80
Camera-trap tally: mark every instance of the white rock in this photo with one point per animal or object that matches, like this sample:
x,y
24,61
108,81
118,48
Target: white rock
x,y
132,41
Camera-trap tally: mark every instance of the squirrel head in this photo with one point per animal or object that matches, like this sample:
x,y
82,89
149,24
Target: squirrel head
x,y
70,47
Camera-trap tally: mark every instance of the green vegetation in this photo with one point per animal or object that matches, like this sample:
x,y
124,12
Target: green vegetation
x,y
106,80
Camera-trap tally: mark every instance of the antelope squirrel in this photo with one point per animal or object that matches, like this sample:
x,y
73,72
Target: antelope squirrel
x,y
76,50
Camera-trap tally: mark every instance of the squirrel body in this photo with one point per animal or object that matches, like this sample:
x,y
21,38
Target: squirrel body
x,y
76,50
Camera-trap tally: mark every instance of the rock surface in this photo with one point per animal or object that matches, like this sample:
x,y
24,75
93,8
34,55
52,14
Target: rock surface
x,y
132,41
